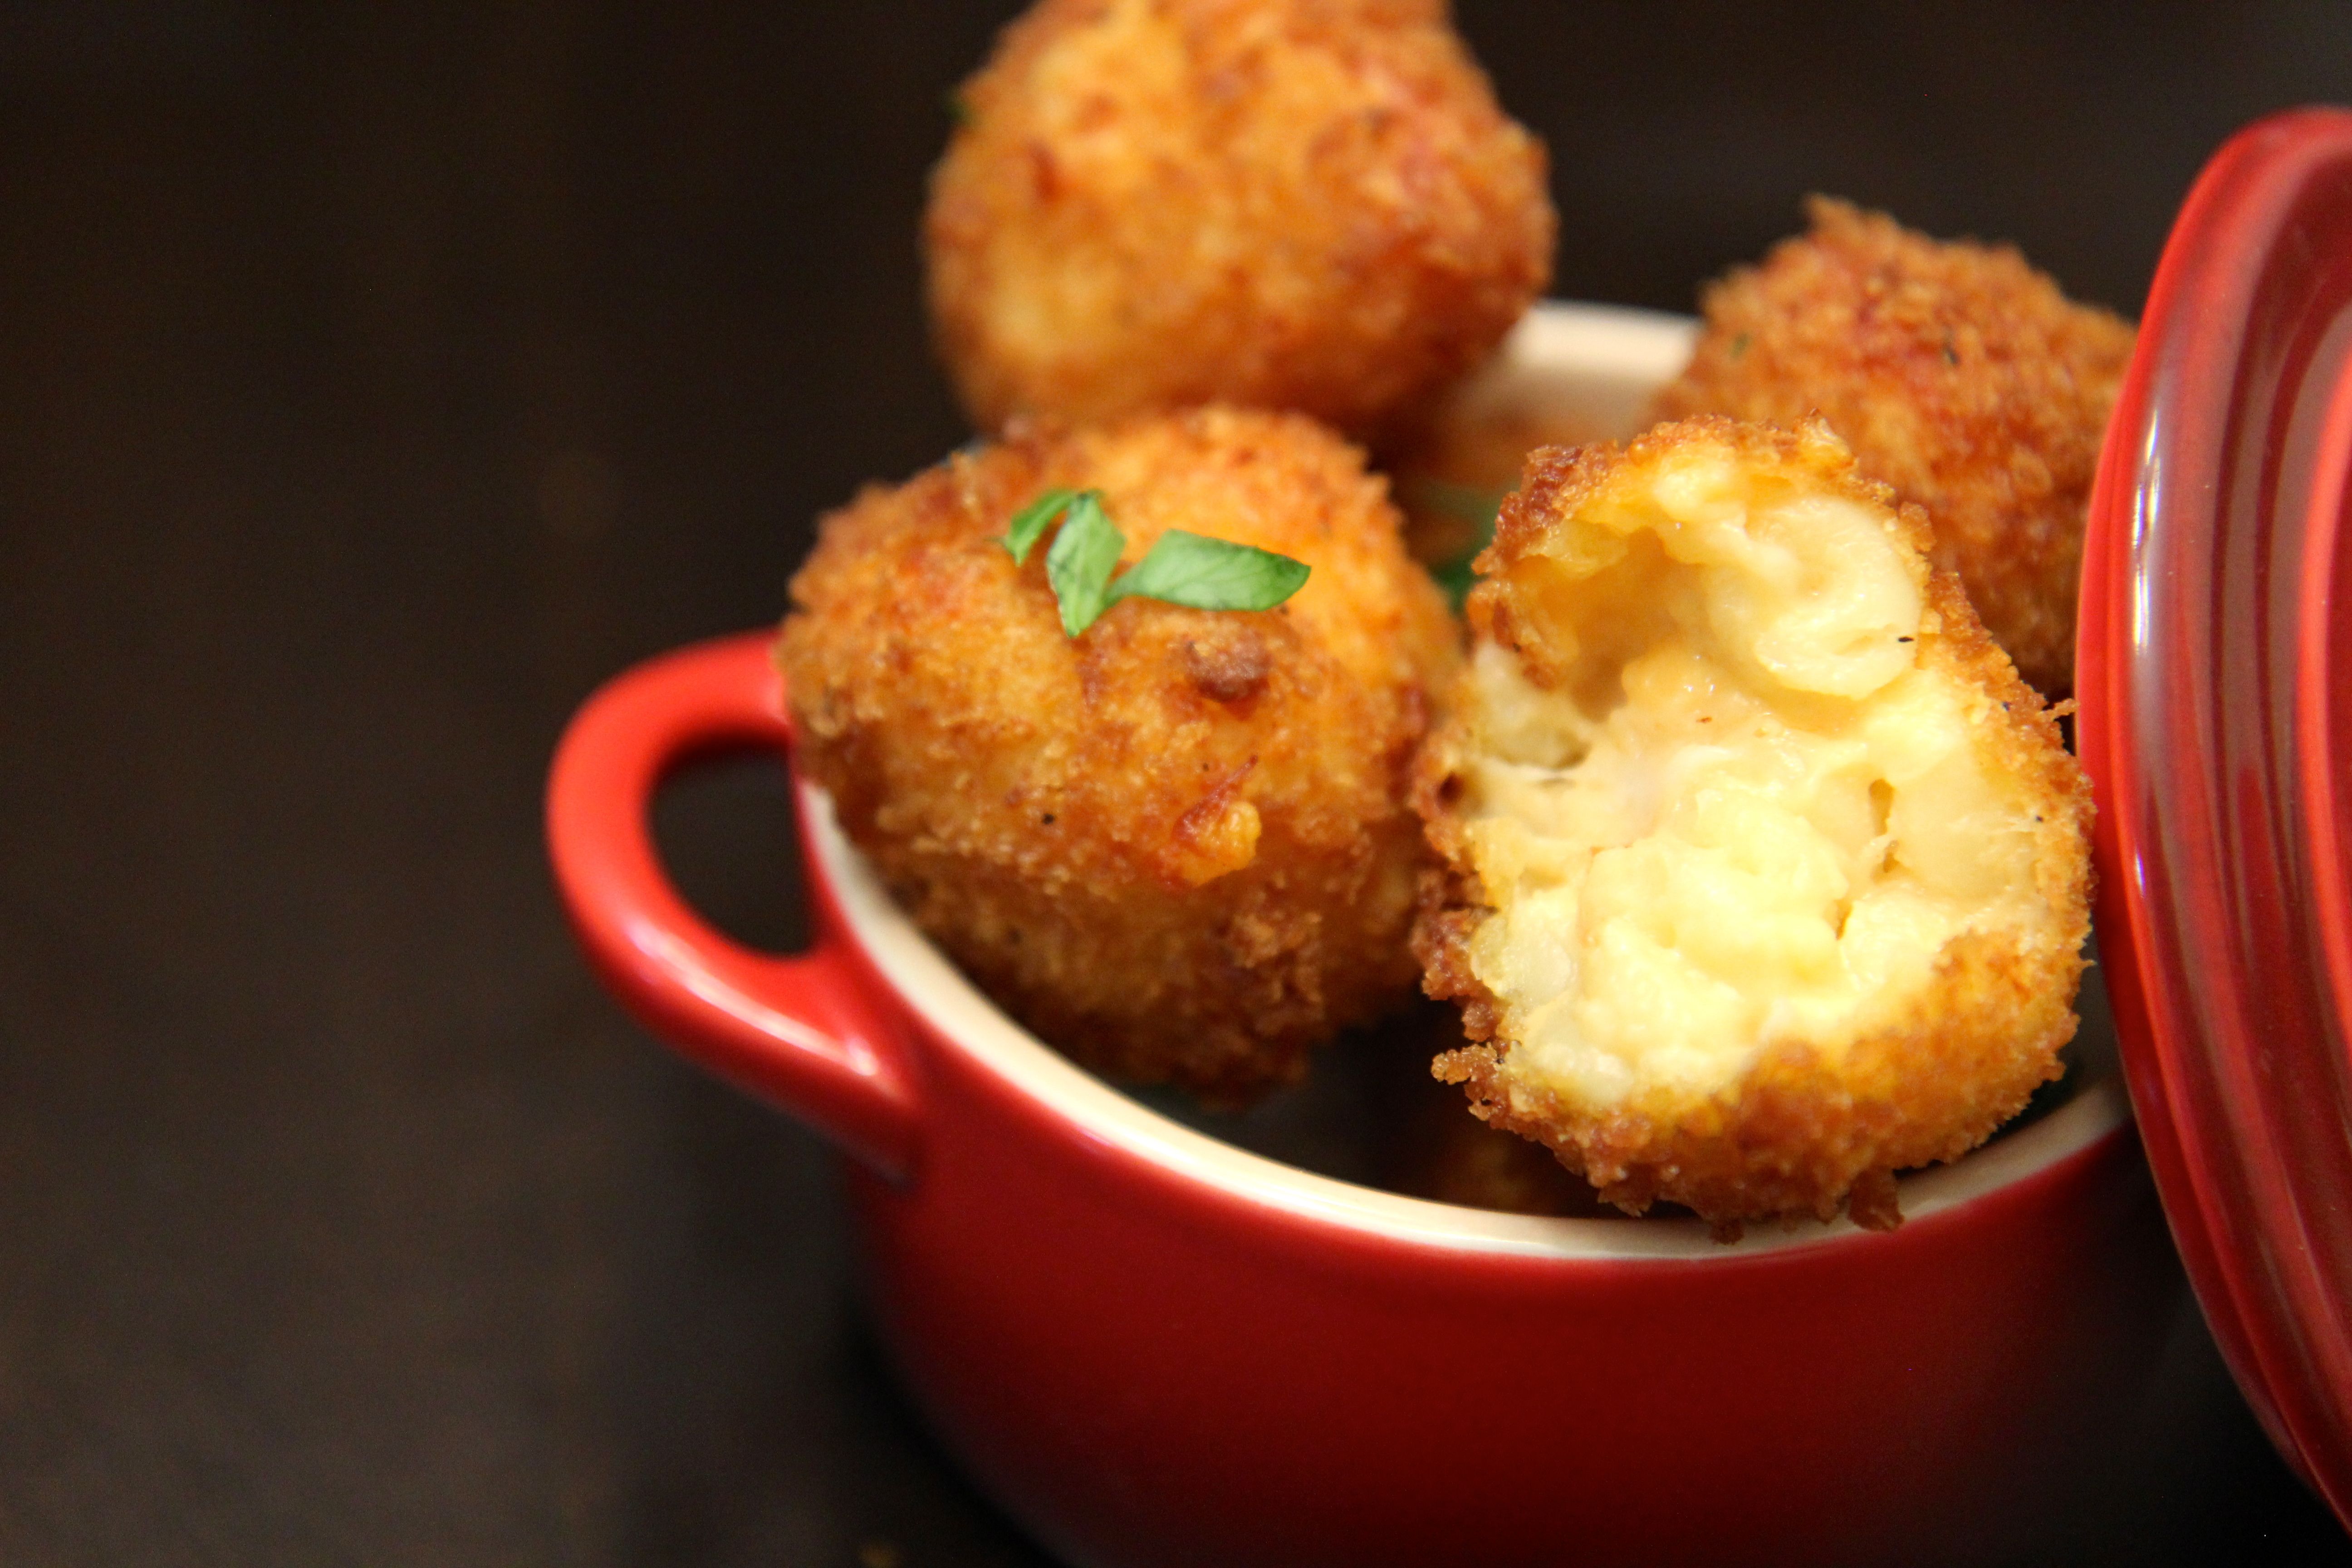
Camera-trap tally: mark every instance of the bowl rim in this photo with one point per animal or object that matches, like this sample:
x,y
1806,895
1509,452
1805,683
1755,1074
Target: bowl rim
x,y
1558,338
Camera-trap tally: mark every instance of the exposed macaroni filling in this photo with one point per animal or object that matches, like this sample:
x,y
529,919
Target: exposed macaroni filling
x,y
1738,811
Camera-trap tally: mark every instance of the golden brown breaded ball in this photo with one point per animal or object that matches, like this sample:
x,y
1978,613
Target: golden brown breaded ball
x,y
1768,878
1959,374
1311,204
1177,847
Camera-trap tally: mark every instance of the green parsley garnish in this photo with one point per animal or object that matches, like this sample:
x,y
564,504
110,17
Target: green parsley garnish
x,y
1466,503
1457,578
1211,575
1180,568
1083,556
1032,520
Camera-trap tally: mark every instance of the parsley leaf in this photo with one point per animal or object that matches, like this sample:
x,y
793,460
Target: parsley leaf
x,y
1032,521
1457,577
1464,503
1081,559
1204,573
1180,568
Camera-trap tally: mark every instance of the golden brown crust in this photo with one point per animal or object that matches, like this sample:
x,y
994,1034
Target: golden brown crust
x,y
1802,1134
1958,373
1805,1130
1312,205
1177,845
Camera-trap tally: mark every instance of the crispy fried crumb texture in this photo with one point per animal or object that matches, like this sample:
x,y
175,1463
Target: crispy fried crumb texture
x,y
1766,877
1959,375
1177,847
1298,204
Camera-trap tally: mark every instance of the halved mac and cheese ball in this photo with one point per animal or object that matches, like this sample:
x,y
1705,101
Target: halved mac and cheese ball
x,y
1768,877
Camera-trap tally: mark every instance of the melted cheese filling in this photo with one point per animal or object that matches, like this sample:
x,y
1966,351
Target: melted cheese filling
x,y
1741,813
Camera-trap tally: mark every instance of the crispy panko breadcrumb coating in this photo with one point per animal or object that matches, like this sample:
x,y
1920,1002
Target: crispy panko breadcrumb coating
x,y
1177,847
1311,204
1768,878
1959,374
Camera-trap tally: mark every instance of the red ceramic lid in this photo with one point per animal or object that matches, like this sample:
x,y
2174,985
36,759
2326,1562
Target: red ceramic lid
x,y
2215,676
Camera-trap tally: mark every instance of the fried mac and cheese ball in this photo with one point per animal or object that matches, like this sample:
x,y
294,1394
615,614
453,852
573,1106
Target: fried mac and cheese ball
x,y
1312,205
1767,876
1959,374
1178,847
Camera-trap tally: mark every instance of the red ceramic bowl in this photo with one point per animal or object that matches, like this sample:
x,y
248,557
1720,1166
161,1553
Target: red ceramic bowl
x,y
1155,1347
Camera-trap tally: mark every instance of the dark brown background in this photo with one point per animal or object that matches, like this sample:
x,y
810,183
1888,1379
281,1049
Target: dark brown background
x,y
372,385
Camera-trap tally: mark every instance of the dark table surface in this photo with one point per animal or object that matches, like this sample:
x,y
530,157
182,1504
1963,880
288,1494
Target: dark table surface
x,y
370,387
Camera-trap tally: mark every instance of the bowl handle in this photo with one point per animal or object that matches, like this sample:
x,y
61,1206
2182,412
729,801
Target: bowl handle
x,y
798,1031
